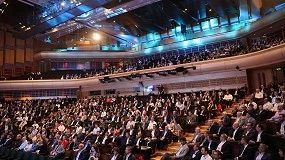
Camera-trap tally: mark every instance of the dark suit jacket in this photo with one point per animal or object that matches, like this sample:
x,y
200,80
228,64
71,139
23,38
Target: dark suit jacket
x,y
247,153
119,157
261,116
222,130
189,156
238,134
252,135
131,157
227,150
266,156
83,155
213,129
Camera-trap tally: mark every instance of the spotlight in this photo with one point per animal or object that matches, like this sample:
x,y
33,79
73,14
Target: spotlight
x,y
62,4
96,36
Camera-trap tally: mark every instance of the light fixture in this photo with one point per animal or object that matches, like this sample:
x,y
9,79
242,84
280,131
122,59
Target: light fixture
x,y
210,10
62,4
96,36
185,9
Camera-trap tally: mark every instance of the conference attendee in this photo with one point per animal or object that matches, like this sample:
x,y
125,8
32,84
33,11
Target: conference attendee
x,y
128,154
267,105
261,114
116,154
250,132
279,112
235,133
228,98
164,138
262,137
58,151
213,127
246,151
282,126
198,137
216,155
222,129
194,154
81,153
180,153
205,154
262,153
225,147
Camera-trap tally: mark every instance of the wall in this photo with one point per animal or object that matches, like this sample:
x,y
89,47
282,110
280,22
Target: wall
x,y
16,55
258,77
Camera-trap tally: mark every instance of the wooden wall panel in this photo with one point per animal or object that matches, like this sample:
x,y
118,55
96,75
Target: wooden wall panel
x,y
29,54
9,56
29,41
20,55
1,57
1,39
20,42
10,40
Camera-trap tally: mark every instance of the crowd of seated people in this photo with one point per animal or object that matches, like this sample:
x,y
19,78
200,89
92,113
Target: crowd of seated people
x,y
250,132
166,59
131,126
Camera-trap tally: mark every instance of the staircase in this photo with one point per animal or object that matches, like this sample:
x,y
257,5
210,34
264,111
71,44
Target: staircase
x,y
174,146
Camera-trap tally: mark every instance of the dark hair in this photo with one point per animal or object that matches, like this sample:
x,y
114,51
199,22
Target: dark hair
x,y
183,139
261,126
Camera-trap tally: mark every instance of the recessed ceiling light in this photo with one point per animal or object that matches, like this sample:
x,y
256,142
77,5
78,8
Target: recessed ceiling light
x,y
185,9
210,10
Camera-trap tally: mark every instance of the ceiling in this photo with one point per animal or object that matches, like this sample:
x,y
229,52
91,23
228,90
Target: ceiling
x,y
131,18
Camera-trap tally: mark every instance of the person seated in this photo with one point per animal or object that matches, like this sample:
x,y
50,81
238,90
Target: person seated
x,y
261,114
246,151
180,153
225,147
235,132
262,153
116,154
228,98
128,154
216,155
205,154
281,132
58,151
164,138
277,115
258,96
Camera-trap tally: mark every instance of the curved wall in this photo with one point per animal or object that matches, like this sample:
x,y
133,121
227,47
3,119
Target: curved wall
x,y
212,69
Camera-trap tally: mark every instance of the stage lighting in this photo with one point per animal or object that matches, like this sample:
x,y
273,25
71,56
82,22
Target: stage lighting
x,y
96,36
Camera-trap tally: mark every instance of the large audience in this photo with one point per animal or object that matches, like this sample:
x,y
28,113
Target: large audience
x,y
130,127
165,59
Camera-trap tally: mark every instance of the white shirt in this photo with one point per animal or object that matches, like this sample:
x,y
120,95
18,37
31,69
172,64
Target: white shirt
x,y
228,97
258,95
259,156
61,128
150,125
243,150
258,137
206,157
114,157
95,130
130,123
219,148
267,106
